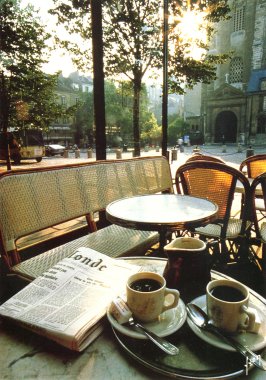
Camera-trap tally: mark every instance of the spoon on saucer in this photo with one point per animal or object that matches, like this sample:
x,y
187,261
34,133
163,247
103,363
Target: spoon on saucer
x,y
201,319
123,315
162,343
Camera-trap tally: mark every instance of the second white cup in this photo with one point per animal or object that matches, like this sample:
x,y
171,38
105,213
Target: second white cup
x,y
227,305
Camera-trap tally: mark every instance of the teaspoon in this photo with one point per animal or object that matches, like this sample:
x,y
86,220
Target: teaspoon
x,y
201,319
162,343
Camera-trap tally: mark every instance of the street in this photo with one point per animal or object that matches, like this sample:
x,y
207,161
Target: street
x,y
229,153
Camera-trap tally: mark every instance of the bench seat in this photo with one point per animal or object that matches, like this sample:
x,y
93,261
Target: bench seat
x,y
114,241
36,199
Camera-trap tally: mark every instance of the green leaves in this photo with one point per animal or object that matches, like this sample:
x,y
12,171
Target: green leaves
x,y
23,46
133,42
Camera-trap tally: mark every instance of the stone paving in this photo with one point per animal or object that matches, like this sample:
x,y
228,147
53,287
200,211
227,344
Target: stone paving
x,y
229,153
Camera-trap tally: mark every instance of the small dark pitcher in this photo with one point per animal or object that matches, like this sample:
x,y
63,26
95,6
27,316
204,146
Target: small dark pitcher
x,y
188,267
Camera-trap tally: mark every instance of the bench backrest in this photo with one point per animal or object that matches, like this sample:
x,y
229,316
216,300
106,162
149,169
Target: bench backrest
x,y
33,200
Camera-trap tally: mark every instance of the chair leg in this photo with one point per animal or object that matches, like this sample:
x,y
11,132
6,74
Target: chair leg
x,y
232,246
213,247
263,258
183,233
247,253
225,252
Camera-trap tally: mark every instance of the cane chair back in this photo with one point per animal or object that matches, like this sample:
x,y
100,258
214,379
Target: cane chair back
x,y
259,183
205,157
254,166
217,183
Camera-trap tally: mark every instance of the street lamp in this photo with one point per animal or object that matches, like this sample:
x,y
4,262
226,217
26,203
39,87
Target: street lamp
x,y
165,80
165,75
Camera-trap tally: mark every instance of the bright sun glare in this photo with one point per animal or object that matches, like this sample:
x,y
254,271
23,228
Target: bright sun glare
x,y
191,29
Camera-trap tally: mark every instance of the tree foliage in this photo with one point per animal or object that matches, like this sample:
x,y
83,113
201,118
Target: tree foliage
x,y
76,18
133,42
119,100
131,37
177,127
26,92
84,119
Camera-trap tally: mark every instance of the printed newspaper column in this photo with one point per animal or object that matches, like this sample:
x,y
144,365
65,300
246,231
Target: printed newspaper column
x,y
67,303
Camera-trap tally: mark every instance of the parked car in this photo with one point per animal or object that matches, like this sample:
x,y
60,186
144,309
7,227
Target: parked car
x,y
23,144
54,149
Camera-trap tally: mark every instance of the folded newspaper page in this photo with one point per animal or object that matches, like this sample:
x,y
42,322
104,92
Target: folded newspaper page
x,y
67,303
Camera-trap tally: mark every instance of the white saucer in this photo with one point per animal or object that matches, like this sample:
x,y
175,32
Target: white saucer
x,y
168,322
254,341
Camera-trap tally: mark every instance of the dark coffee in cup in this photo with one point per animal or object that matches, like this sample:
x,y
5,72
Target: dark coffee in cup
x,y
227,293
146,296
145,285
228,306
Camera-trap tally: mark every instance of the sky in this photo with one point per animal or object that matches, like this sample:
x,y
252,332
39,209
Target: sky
x,y
62,61
58,61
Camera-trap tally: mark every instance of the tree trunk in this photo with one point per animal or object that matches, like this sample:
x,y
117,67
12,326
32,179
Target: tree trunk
x,y
98,78
4,111
136,111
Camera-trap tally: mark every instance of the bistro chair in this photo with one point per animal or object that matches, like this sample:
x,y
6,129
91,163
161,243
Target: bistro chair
x,y
253,166
259,225
217,182
205,157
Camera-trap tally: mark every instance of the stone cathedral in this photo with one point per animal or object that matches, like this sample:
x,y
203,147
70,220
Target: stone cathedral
x,y
233,107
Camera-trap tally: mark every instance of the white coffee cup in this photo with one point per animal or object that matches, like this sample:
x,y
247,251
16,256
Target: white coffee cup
x,y
147,296
227,306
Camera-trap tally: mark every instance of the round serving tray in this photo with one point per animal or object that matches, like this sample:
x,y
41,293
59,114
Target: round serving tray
x,y
197,359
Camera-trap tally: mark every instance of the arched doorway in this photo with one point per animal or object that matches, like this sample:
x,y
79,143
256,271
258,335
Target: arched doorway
x,y
225,127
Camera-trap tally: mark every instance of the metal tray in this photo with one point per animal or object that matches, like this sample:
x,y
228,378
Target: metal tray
x,y
196,359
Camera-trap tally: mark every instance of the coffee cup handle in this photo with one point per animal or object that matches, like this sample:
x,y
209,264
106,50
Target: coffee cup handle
x,y
248,323
176,295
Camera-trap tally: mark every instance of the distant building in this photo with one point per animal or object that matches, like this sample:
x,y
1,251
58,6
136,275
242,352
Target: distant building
x,y
175,102
192,116
233,107
68,93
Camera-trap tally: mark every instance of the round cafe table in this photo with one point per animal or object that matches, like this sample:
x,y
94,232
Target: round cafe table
x,y
161,212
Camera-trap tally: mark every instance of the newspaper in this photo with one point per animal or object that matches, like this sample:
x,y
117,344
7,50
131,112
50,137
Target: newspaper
x,y
68,302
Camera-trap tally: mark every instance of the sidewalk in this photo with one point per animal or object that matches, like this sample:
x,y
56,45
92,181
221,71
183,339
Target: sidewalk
x,y
231,156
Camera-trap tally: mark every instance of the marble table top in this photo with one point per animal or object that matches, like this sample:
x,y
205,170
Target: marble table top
x,y
25,355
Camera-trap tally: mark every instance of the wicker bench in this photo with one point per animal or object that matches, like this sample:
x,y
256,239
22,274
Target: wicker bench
x,y
34,200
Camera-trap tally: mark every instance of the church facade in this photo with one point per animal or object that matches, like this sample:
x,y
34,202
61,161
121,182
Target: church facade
x,y
233,107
